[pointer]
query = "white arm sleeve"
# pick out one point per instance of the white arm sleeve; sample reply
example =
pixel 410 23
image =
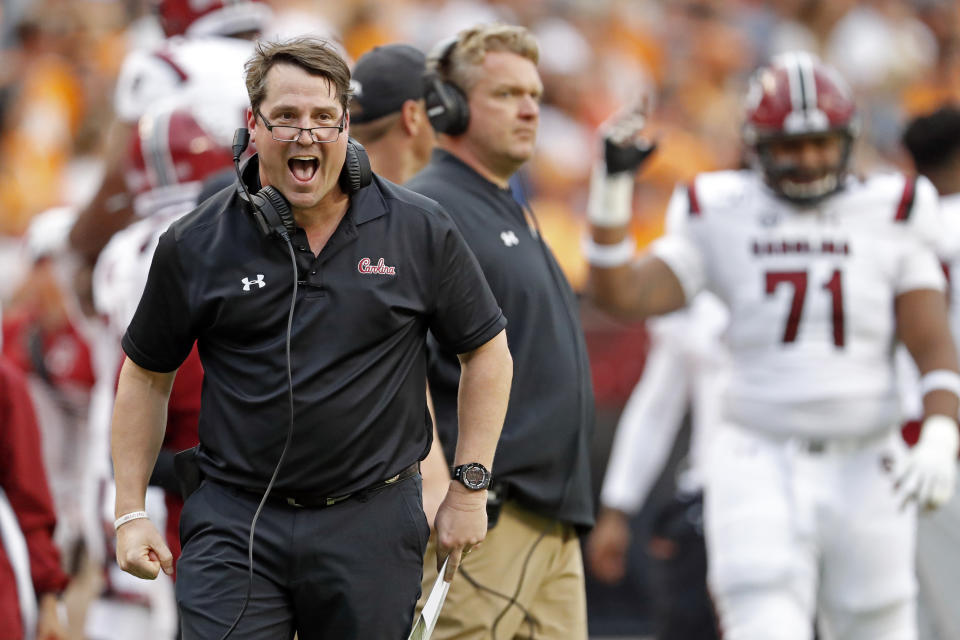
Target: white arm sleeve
pixel 919 265
pixel 649 423
pixel 143 80
pixel 678 249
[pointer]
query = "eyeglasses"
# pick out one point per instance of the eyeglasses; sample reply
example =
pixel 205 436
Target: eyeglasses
pixel 286 133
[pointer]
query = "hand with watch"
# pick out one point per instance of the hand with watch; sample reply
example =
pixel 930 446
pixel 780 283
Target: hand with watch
pixel 461 522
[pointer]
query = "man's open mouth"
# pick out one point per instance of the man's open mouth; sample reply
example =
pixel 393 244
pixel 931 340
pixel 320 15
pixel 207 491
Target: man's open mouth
pixel 303 168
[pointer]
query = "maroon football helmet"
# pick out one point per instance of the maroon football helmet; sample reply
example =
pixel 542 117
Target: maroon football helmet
pixel 212 17
pixel 798 96
pixel 170 156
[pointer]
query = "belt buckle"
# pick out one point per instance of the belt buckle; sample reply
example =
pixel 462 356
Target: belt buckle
pixel 293 503
pixel 392 480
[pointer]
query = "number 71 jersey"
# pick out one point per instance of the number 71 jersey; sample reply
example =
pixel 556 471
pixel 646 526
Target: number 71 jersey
pixel 810 290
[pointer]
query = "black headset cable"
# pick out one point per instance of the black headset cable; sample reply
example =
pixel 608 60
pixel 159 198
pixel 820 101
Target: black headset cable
pixel 286 445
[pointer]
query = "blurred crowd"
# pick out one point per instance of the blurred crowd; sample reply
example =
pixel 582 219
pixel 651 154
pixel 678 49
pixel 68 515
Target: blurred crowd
pixel 688 58
pixel 684 61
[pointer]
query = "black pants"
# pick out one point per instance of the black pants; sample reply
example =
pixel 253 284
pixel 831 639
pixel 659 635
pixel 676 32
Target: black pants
pixel 682 606
pixel 349 571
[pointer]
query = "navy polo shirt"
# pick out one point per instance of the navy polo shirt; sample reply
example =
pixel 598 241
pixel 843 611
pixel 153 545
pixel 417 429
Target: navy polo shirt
pixel 543 455
pixel 395 267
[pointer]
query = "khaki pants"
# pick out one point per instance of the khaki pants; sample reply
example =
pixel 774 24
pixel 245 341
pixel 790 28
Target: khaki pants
pixel 548 583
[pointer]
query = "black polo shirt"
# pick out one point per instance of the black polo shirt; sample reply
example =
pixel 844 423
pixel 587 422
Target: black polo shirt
pixel 544 450
pixel 395 267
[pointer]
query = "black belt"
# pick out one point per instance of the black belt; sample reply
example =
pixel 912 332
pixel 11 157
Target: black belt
pixel 306 501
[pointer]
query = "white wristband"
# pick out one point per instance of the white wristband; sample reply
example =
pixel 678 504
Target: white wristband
pixel 940 380
pixel 124 519
pixel 610 202
pixel 609 255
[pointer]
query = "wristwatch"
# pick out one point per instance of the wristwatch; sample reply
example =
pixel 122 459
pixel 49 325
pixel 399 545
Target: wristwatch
pixel 473 475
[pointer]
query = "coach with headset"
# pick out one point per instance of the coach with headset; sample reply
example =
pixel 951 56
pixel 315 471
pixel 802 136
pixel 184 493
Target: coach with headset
pixel 309 287
pixel 482 92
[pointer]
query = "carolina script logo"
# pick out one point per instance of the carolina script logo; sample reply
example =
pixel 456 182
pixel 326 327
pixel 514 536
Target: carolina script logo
pixel 366 266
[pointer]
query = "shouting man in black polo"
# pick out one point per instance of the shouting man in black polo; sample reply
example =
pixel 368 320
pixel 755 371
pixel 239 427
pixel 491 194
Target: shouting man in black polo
pixel 312 336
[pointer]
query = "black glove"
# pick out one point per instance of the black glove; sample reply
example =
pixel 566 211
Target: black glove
pixel 624 149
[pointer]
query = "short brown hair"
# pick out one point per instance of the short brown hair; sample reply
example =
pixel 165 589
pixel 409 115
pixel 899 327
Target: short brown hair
pixel 313 55
pixel 473 44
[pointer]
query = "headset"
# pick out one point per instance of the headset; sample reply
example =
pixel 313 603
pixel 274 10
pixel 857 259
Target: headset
pixel 273 216
pixel 269 208
pixel 447 106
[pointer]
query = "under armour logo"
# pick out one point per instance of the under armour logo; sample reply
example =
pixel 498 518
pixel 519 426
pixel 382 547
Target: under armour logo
pixel 509 238
pixel 259 281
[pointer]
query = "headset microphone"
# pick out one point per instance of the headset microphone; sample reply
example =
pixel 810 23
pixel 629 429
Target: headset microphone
pixel 241 138
pixel 269 208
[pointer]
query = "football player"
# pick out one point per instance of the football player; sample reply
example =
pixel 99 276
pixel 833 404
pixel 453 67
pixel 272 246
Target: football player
pixel 810 494
pixel 201 59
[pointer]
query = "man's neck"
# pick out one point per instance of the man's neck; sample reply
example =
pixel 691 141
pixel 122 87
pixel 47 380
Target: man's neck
pixel 321 221
pixel 392 159
pixel 466 154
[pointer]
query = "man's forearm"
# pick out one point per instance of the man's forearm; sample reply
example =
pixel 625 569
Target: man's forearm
pixel 139 419
pixel 485 378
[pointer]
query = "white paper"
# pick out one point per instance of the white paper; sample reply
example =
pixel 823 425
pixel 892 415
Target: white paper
pixel 423 629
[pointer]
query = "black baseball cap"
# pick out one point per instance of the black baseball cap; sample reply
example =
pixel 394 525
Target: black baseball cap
pixel 383 79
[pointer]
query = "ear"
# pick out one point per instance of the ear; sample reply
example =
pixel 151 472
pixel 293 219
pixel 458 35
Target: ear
pixel 412 117
pixel 251 124
pixel 346 122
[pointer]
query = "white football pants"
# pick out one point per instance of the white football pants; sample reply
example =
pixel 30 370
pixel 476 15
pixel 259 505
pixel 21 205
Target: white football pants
pixel 803 530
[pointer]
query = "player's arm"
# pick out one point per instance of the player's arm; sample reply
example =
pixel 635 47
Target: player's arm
pixel 111 208
pixel 929 472
pixel 923 327
pixel 139 418
pixel 485 377
pixel 619 284
pixel 636 289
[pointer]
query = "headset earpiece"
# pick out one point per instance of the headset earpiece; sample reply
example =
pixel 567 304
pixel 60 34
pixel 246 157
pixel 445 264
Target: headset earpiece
pixel 268 206
pixel 356 172
pixel 447 106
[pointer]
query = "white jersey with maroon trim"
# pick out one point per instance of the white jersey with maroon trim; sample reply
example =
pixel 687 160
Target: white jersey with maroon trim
pixel 120 274
pixel 192 69
pixel 810 291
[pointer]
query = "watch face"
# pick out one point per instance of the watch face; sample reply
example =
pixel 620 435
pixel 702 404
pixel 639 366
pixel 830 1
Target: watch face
pixel 474 476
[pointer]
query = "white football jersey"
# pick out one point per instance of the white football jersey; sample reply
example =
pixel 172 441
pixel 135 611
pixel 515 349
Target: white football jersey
pixel 810 292
pixel 192 69
pixel 120 274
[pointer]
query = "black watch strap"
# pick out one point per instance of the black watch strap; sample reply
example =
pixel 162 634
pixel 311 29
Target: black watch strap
pixel 472 475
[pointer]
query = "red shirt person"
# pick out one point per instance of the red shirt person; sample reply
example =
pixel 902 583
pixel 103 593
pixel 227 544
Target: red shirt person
pixel 24 484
